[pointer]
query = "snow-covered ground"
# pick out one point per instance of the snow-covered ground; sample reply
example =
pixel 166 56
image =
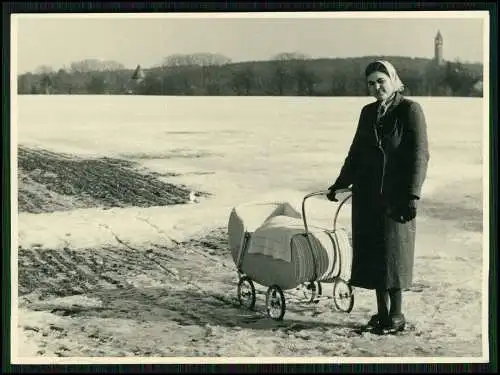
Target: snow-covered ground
pixel 253 149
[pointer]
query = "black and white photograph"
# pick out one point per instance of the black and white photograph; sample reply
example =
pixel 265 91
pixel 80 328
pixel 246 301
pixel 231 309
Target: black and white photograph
pixel 304 187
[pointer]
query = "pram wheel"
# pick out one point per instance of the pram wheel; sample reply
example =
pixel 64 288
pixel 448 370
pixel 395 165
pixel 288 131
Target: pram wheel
pixel 311 290
pixel 343 296
pixel 246 292
pixel 275 302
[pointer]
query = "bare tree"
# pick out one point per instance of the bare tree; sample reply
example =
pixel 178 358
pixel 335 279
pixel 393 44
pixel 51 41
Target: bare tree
pixel 95 65
pixel 199 59
pixel 46 84
pixel 287 56
pixel 291 74
pixel 284 76
pixel 44 69
pixel 204 60
pixel 306 80
pixel 46 72
pixel 243 81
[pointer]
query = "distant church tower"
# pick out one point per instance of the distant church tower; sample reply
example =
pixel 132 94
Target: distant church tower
pixel 438 48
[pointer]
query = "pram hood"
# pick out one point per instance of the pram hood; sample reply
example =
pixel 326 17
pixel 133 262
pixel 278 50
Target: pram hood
pixel 254 214
pixel 272 226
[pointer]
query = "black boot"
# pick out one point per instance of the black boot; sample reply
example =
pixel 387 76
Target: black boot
pixel 380 319
pixel 396 321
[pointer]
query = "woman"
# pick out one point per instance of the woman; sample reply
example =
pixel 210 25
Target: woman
pixel 386 166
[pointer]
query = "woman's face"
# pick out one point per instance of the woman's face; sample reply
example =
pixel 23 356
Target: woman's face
pixel 380 85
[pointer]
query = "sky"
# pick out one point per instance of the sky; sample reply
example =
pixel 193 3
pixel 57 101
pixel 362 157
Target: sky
pixel 58 40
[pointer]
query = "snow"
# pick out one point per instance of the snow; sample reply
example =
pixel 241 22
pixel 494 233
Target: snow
pixel 250 149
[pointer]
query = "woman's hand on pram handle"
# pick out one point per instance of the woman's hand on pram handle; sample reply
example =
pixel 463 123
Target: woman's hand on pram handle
pixel 334 190
pixel 331 195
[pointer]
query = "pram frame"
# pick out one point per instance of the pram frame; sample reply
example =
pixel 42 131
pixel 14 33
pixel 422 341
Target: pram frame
pixel 275 299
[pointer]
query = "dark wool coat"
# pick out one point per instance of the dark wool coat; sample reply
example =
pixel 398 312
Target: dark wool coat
pixel 386 169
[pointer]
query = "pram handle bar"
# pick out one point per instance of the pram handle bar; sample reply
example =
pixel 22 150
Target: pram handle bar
pixel 324 192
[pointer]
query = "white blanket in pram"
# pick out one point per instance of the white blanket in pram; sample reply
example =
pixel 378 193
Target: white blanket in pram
pixel 272 226
pixel 274 237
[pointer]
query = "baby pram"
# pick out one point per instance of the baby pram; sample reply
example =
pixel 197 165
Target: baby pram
pixel 273 245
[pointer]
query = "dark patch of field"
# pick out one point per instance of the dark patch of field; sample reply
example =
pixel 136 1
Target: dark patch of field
pixel 51 181
pixel 64 272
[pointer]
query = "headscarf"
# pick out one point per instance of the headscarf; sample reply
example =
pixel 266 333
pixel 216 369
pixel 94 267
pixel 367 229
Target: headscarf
pixel 387 68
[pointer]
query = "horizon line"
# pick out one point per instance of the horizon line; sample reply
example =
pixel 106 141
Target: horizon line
pixel 307 58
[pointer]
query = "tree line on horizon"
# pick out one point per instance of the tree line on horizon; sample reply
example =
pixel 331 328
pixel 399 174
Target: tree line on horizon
pixel 286 74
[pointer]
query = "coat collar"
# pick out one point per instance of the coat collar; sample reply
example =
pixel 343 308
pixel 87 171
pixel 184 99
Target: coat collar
pixel 398 97
pixel 395 103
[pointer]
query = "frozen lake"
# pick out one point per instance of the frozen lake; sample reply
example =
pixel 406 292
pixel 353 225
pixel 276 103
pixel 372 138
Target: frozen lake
pixel 250 143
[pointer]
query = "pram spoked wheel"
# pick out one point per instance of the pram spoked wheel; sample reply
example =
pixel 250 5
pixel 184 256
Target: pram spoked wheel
pixel 275 302
pixel 343 296
pixel 246 292
pixel 311 290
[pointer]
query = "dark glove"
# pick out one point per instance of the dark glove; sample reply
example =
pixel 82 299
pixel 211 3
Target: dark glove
pixel 405 212
pixel 331 196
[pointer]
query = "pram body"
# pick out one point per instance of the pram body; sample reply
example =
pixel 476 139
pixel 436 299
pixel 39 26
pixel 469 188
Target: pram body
pixel 273 245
